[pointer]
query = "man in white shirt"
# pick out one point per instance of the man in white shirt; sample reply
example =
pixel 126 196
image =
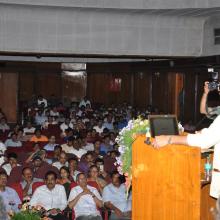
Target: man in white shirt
pixel 76 150
pixel 41 100
pixel 68 146
pixel 52 197
pixel 12 162
pixel 3 125
pixel 28 180
pixel 65 125
pixel 84 102
pixel 114 198
pixel 99 127
pixel 62 161
pixel 206 138
pixel 29 128
pixel 13 141
pixel 85 199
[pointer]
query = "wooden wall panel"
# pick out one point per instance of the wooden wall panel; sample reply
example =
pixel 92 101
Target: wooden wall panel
pixel 175 85
pixel 142 89
pixel 8 95
pixel 160 91
pixel 26 86
pixel 98 88
pixel 48 83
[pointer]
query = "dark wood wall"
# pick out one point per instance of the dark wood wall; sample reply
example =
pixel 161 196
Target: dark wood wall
pixel 140 86
pixel 8 94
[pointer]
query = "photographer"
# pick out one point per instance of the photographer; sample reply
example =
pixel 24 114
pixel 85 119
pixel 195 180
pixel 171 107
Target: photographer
pixel 210 112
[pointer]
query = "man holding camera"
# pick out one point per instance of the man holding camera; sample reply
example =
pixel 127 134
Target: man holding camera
pixel 210 112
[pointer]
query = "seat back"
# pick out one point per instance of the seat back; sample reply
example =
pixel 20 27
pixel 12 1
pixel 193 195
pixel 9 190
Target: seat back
pixel 36 185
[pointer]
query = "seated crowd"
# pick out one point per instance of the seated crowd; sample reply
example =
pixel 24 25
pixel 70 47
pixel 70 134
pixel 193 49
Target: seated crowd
pixel 64 159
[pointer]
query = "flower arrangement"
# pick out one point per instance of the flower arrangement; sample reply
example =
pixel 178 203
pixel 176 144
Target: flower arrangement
pixel 26 215
pixel 30 213
pixel 125 140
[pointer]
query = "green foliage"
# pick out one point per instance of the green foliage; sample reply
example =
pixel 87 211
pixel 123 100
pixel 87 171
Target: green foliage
pixel 125 140
pixel 26 215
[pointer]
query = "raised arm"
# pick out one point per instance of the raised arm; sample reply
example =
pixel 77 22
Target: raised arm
pixel 204 99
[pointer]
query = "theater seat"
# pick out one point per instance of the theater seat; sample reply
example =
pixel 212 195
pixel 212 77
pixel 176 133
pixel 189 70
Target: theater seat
pixel 36 185
pixel 15 175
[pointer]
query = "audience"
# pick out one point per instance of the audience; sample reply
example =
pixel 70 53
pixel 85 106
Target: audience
pixel 51 196
pixel 29 129
pixel 10 197
pixel 65 179
pixel 85 164
pixel 38 137
pixel 40 118
pixel 94 177
pixel 73 167
pixel 114 198
pixel 12 163
pixel 41 100
pixel 62 142
pixel 13 141
pixel 3 125
pixel 51 144
pixel 106 147
pixel 27 181
pixel 62 161
pixel 85 199
pixel 66 124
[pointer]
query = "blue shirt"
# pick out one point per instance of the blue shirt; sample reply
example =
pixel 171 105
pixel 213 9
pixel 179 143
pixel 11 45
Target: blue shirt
pixel 117 196
pixel 108 125
pixel 11 143
pixel 10 199
pixel 104 149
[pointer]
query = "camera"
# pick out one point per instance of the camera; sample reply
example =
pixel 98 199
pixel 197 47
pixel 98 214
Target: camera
pixel 214 84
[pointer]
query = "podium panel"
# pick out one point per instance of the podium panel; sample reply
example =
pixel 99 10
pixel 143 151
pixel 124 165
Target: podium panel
pixel 165 182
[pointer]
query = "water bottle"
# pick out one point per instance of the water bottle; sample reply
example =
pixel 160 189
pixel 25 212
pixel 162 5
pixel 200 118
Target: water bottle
pixel 208 169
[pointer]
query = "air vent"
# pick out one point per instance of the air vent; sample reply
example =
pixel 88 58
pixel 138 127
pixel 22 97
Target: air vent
pixel 217 35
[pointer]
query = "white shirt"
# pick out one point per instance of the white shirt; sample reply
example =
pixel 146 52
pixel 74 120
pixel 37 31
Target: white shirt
pixel 207 138
pixel 88 147
pixel 2 148
pixel 66 148
pixel 50 199
pixel 76 172
pixel 7 167
pixel 64 126
pixel 29 130
pixel 78 153
pixel 39 102
pixel 98 129
pixel 86 204
pixel 117 196
pixel 58 165
pixel 4 127
pixel 84 103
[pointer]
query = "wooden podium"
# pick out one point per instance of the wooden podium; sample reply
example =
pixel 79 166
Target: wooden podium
pixel 166 183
